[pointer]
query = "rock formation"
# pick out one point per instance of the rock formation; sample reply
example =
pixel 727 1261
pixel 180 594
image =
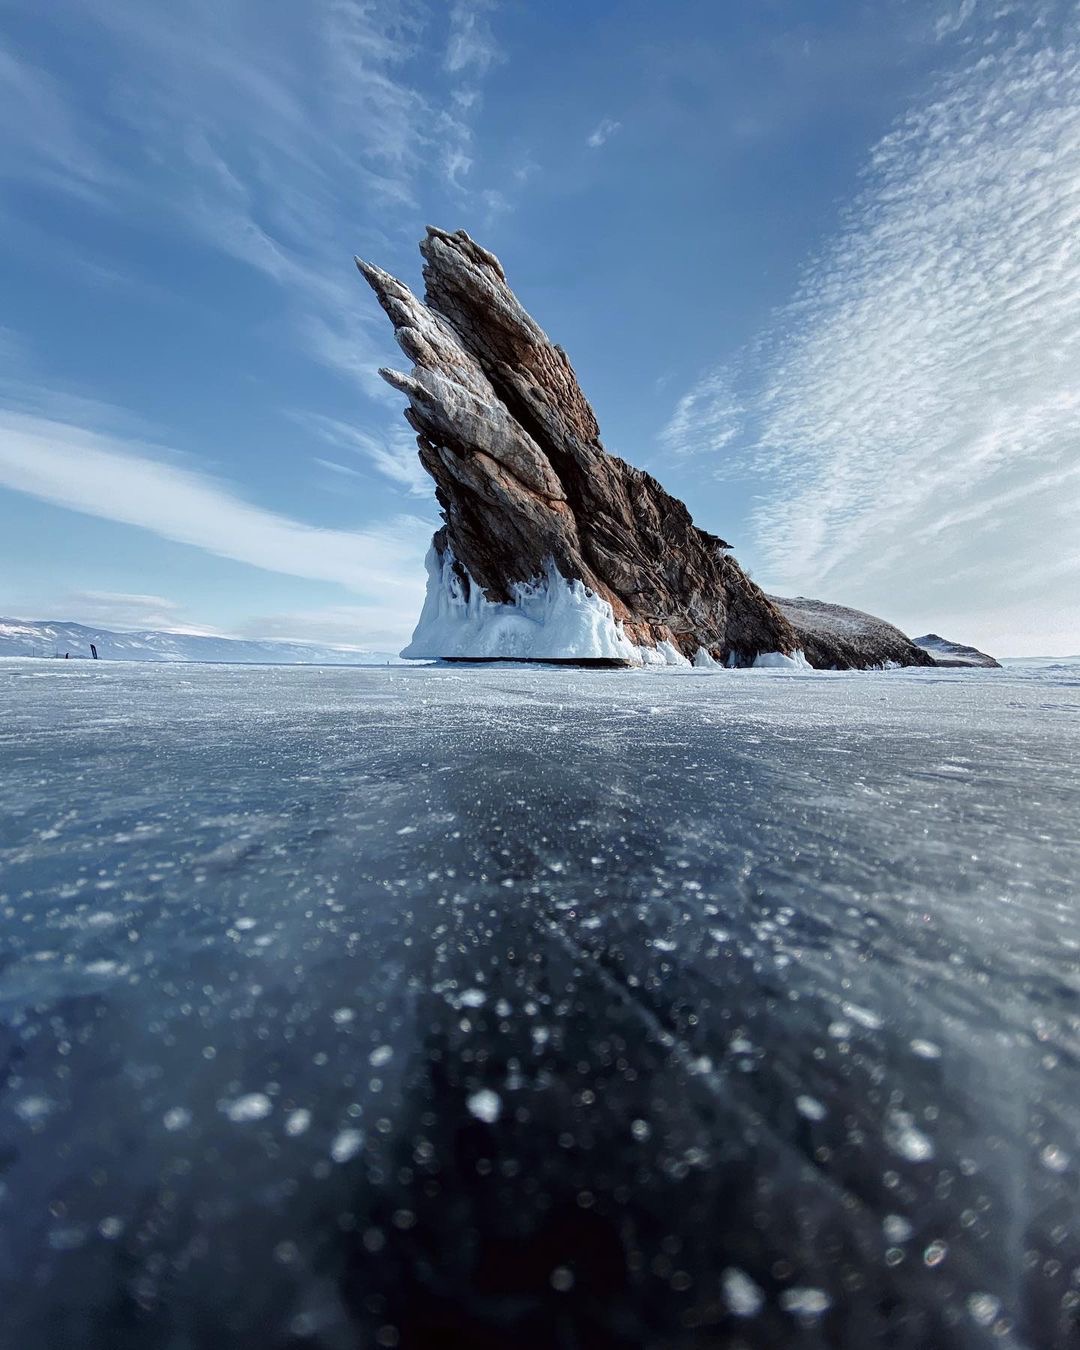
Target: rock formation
pixel 946 653
pixel 546 532
pixel 832 636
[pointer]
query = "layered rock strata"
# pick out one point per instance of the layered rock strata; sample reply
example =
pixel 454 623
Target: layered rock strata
pixel 531 499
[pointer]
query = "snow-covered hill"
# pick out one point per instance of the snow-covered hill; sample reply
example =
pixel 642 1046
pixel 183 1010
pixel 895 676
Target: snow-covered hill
pixel 44 637
pixel 946 653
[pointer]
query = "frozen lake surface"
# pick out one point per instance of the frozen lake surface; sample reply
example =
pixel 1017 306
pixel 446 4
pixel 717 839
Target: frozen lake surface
pixel 522 1007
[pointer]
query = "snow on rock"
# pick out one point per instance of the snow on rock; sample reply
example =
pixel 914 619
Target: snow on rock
pixel 842 638
pixel 549 619
pixel 555 619
pixel 524 481
pixel 946 653
pixel 671 654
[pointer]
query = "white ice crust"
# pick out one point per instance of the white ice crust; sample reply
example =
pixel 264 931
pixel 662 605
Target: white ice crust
pixel 550 618
pixel 778 661
pixel 546 619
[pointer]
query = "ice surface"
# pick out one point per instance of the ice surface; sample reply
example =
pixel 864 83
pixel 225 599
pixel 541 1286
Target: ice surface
pixel 538 1007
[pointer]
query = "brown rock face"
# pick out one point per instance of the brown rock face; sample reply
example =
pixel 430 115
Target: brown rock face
pixel 832 636
pixel 524 481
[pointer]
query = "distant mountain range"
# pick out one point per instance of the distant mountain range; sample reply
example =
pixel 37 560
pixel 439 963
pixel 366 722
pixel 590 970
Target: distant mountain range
pixel 46 638
pixel 50 638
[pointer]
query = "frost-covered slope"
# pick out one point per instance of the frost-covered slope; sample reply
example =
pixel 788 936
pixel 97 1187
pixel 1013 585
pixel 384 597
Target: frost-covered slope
pixel 46 637
pixel 946 653
pixel 833 635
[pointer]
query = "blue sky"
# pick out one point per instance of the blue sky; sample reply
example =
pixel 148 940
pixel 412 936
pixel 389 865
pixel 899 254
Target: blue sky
pixel 818 269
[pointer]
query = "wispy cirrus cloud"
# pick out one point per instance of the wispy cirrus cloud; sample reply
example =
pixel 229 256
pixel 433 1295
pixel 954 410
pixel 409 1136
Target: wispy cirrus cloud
pixel 471 45
pixel 470 51
pixel 393 453
pixel 119 609
pixel 267 143
pixel 133 483
pixel 377 628
pixel 602 133
pixel 706 419
pixel 261 140
pixel 953 18
pixel 918 402
pixel 45 140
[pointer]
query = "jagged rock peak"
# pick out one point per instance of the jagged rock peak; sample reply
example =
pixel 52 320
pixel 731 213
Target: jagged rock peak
pixel 532 500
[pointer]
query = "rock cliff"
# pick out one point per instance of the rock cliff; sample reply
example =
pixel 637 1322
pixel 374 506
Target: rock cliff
pixel 545 530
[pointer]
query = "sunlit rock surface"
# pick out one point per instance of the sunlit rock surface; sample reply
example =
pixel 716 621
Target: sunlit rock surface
pixel 531 497
pixel 838 638
pixel 538 1008
pixel 946 653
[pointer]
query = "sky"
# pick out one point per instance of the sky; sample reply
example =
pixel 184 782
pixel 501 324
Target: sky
pixel 817 268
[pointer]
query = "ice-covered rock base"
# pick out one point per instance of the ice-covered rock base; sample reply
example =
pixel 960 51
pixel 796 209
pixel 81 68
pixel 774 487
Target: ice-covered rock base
pixel 549 619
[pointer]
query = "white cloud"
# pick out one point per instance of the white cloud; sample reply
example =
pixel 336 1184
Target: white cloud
pixel 470 50
pixel 22 392
pixel 130 483
pixel 705 419
pixel 364 627
pixel 43 139
pixel 262 139
pixel 954 18
pixel 393 453
pixel 496 204
pixel 456 164
pixel 118 609
pixel 334 467
pixel 603 132
pixel 471 45
pixel 918 421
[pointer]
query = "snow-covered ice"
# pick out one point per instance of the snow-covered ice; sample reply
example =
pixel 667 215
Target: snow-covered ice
pixel 665 1006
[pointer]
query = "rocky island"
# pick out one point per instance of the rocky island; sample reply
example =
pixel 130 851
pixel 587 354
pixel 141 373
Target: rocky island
pixel 553 549
pixel 947 653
